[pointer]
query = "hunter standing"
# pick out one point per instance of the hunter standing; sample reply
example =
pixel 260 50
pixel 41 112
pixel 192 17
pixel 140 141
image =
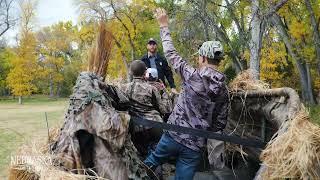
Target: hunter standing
pixel 202 104
pixel 153 60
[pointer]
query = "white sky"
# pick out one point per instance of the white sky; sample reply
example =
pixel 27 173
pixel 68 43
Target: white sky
pixel 48 12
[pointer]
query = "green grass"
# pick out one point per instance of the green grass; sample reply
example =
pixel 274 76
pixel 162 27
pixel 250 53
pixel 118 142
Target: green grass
pixel 19 123
pixel 315 113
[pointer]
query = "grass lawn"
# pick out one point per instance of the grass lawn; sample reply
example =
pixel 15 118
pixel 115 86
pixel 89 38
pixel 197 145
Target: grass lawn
pixel 19 123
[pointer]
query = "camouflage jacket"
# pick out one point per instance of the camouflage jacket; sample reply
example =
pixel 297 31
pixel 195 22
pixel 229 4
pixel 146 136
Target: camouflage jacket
pixel 203 102
pixel 165 96
pixel 145 100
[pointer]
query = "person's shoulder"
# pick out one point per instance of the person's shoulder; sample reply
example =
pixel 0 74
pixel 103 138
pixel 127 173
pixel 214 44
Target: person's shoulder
pixel 144 57
pixel 160 56
pixel 127 85
pixel 146 88
pixel 144 85
pixel 151 86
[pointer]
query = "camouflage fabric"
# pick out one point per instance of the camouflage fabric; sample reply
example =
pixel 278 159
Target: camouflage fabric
pixel 203 102
pixel 216 153
pixel 165 96
pixel 208 49
pixel 146 101
pixel 95 133
pixel 159 85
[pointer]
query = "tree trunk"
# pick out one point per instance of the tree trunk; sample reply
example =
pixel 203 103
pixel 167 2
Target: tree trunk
pixel 124 59
pixel 58 90
pixel 20 99
pixel 233 54
pixel 239 24
pixel 310 96
pixel 51 87
pixel 316 33
pixel 303 69
pixel 256 39
pixel 206 30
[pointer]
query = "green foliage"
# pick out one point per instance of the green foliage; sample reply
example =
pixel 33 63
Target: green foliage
pixel 70 74
pixel 5 56
pixel 315 113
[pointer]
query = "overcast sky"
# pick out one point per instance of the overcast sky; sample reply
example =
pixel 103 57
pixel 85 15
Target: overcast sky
pixel 48 12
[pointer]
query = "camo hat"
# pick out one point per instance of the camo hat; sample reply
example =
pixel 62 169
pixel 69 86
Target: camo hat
pixel 209 49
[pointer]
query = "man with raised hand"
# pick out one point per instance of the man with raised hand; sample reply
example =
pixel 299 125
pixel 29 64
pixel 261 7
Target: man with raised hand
pixel 202 104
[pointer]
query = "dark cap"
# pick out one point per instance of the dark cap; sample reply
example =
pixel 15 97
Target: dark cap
pixel 151 40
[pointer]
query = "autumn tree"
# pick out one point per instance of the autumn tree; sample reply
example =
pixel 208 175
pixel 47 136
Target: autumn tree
pixel 313 9
pixel 22 76
pixel 56 50
pixel 274 63
pixel 128 21
pixel 293 29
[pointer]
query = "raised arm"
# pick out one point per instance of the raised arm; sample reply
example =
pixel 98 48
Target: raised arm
pixel 171 54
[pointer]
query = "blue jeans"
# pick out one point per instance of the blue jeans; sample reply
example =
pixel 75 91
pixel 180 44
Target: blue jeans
pixel 187 159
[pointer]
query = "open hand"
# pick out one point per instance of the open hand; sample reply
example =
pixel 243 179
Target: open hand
pixel 162 17
pixel 174 91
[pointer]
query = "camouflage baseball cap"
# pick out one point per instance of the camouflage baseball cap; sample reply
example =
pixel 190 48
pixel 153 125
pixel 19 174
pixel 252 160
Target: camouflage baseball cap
pixel 209 49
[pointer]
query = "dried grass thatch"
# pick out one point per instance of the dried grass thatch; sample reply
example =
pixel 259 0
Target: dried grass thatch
pixel 294 153
pixel 37 163
pixel 245 81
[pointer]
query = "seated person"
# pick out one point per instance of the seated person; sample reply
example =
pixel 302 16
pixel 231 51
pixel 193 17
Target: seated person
pixel 145 102
pixel 152 78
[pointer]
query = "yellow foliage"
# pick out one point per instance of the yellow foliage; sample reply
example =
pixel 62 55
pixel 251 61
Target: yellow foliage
pixel 273 59
pixel 117 68
pixel 317 84
pixel 308 53
pixel 130 30
pixel 21 76
pixel 299 30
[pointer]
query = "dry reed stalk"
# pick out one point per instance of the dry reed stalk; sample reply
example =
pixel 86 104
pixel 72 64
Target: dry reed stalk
pixel 294 153
pixel 100 52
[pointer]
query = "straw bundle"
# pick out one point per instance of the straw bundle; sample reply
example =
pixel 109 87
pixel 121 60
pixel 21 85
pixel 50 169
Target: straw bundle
pixel 38 163
pixel 294 153
pixel 245 81
pixel 100 52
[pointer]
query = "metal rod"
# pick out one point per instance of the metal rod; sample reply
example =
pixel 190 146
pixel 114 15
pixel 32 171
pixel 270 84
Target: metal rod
pixel 45 113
